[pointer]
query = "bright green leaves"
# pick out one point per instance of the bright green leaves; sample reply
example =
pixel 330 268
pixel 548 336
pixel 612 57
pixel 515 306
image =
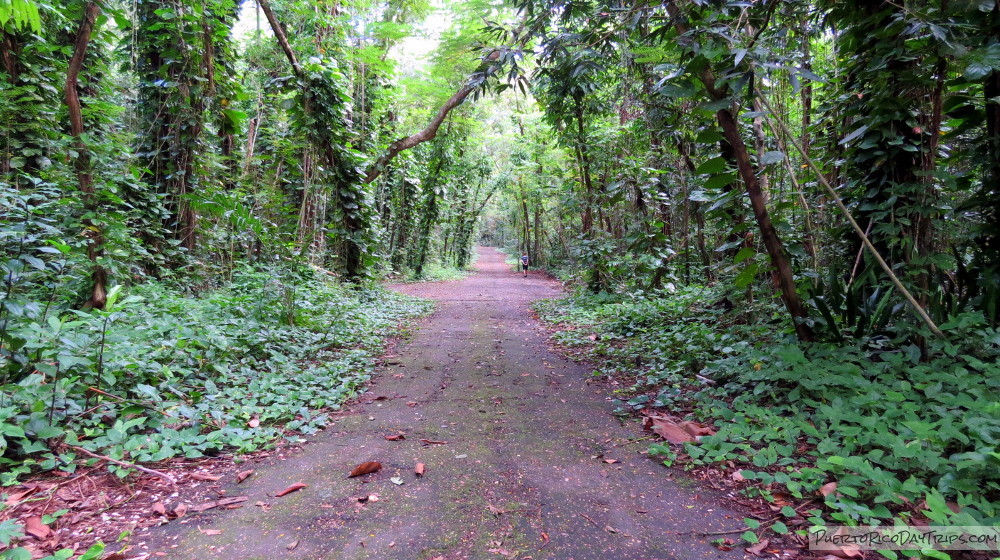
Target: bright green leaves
pixel 20 14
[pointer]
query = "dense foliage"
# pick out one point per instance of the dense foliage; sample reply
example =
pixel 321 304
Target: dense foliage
pixel 782 216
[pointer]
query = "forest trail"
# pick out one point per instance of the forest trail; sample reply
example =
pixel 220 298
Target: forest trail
pixel 517 478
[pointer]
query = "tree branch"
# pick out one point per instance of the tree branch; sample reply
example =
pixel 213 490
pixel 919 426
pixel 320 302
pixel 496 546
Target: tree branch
pixel 125 464
pixel 279 33
pixel 424 135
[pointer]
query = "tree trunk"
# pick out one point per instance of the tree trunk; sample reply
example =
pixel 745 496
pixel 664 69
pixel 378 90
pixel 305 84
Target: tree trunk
pixel 775 249
pixel 95 238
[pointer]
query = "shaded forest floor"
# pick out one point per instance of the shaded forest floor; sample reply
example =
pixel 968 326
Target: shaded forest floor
pixel 521 457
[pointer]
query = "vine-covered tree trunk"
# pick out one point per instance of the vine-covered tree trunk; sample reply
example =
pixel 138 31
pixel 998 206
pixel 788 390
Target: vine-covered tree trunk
pixel 95 236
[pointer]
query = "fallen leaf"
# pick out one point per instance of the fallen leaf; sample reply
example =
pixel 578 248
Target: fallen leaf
pixel 232 500
pixel 758 549
pixel 723 544
pixel 419 469
pixel 495 510
pixel 828 488
pixel 365 468
pixel 696 429
pixel 545 539
pixel 432 442
pixel 738 476
pixel 293 488
pixel 13 499
pixel 611 461
pixel 179 510
pixel 397 481
pixel 243 475
pixel 205 476
pixel 670 431
pixel 204 507
pixel 292 545
pixel 210 531
pixel 610 529
pixel 159 508
pixel 254 422
pixel 411 403
pixel 848 551
pixel 34 526
pixel 395 437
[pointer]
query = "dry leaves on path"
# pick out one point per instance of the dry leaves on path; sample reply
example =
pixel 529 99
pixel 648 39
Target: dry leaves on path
pixel 205 476
pixel 34 526
pixel 243 475
pixel 758 549
pixel 675 432
pixel 419 469
pixel 365 468
pixel 293 488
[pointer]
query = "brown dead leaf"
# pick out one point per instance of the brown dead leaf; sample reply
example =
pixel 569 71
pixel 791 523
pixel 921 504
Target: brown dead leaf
pixel 243 475
pixel 738 476
pixel 610 461
pixel 254 422
pixel 293 488
pixel 292 545
pixel 781 499
pixel 395 437
pixel 365 468
pixel 758 549
pixel 34 527
pixel 204 507
pixel 848 551
pixel 828 488
pixel 696 429
pixel 670 431
pixel 159 508
pixel 205 476
pixel 179 510
pixel 419 469
pixel 545 539
pixel 232 501
pixel 723 544
pixel 13 499
pixel 432 442
pixel 495 510
pixel 210 531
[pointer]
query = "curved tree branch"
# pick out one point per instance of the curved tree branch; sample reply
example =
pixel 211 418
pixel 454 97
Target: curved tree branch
pixel 424 135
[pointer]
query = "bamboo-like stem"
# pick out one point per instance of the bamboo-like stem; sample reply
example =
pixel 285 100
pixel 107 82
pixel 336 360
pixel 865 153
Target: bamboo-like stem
pixel 920 311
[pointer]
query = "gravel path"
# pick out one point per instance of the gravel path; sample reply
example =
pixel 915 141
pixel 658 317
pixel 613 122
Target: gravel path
pixel 525 472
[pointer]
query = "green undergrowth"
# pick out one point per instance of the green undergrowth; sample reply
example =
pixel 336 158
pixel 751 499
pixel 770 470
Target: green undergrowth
pixel 434 272
pixel 908 434
pixel 159 375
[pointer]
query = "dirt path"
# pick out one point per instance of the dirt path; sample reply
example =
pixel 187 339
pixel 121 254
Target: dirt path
pixel 517 478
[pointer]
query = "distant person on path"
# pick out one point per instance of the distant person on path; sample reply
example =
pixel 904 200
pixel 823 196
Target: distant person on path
pixel 524 263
